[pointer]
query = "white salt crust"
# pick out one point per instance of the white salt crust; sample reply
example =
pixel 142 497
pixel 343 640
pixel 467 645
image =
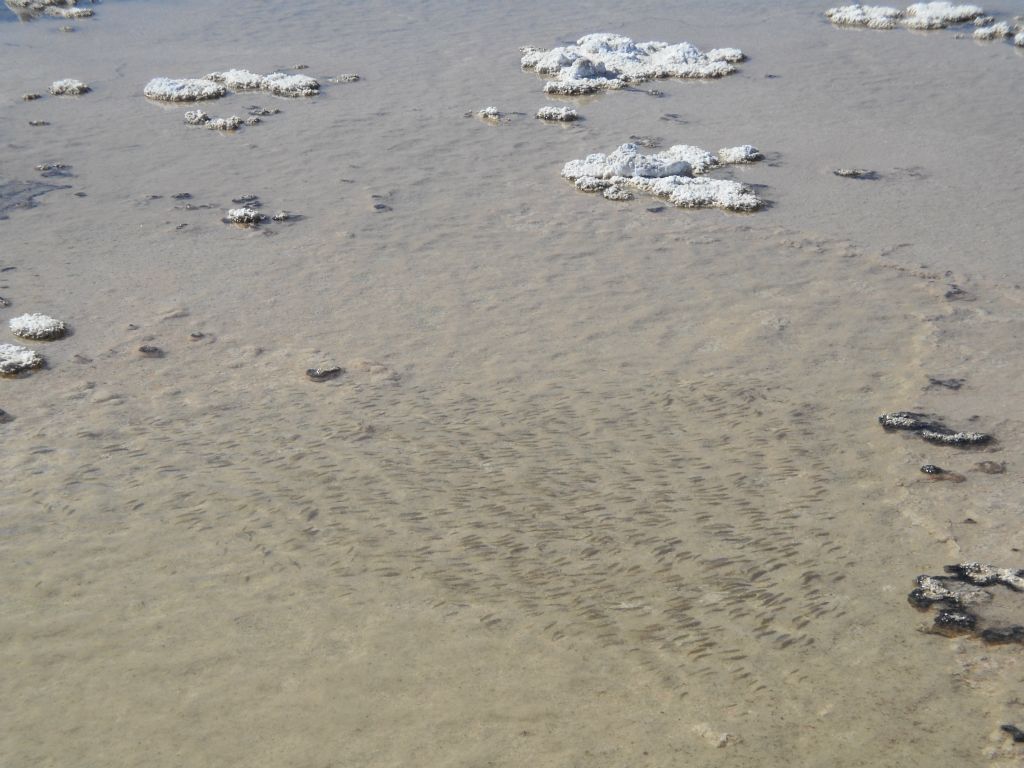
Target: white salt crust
pixel 245 216
pixel 872 16
pixel 489 113
pixel 742 154
pixel 667 174
pixel 64 9
pixel 15 359
pixel 939 15
pixel 994 32
pixel 225 123
pixel 560 114
pixel 68 87
pixel 196 117
pixel 936 15
pixel 608 62
pixel 278 83
pixel 187 89
pixel 38 327
pixel 1019 40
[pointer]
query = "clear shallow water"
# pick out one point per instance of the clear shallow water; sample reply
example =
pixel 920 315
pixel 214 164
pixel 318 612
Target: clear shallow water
pixel 616 488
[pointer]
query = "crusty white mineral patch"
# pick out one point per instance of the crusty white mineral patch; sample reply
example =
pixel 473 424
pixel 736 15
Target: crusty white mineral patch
pixel 38 327
pixel 742 154
pixel 64 9
pixel 939 15
pixel 196 117
pixel 278 83
pixel 873 16
pixel 1019 39
pixel 188 89
pixel 607 62
pixel 667 174
pixel 245 216
pixel 560 114
pixel 993 32
pixel 225 123
pixel 68 87
pixel 489 113
pixel 15 359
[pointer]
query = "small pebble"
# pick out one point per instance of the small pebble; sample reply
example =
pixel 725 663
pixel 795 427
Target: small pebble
pixel 31 96
pixel 197 335
pixel 149 351
pixel 37 123
pixel 942 474
pixel 1016 733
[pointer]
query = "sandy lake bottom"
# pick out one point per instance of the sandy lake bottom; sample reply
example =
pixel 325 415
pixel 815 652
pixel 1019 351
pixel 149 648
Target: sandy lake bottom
pixel 601 483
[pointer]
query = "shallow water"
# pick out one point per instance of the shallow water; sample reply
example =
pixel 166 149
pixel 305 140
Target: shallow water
pixel 615 488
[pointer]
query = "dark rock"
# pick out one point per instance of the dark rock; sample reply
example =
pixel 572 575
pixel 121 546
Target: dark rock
pixel 1003 635
pixel 930 430
pixel 150 351
pixel 855 173
pixel 197 335
pixel 253 201
pixel 1014 731
pixel 956 293
pixel 324 374
pixel 938 473
pixel 931 469
pixel 955 621
pixel 987 575
pixel 954 384
pixel 182 196
pixel 5 416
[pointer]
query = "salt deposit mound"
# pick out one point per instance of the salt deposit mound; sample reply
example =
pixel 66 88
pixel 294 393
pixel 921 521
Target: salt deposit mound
pixel 937 15
pixel 68 87
pixel 607 62
pixel 668 175
pixel 15 359
pixel 278 83
pixel 188 89
pixel 62 9
pixel 38 327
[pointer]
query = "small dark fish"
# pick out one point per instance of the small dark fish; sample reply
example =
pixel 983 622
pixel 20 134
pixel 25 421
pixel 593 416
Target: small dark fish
pixel 149 351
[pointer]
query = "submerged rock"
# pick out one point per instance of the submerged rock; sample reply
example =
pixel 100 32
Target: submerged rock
pixel 930 430
pixel 607 62
pixel 962 600
pixel 225 123
pixel 147 350
pixel 15 359
pixel 68 87
pixel 188 89
pixel 196 117
pixel 668 174
pixel 489 113
pixel 324 374
pixel 38 327
pixel 939 473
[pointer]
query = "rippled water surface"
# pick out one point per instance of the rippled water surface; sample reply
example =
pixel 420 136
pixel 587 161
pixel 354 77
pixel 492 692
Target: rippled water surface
pixel 601 483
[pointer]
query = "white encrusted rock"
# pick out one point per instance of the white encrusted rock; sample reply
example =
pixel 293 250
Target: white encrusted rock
pixel 67 13
pixel 225 123
pixel 68 87
pixel 617 193
pixel 993 32
pixel 38 327
pixel 196 117
pixel 742 154
pixel 239 79
pixel 1018 40
pixel 281 84
pixel 608 62
pixel 667 174
pixel 872 16
pixel 560 114
pixel 15 359
pixel 187 89
pixel 245 216
pixel 939 15
pixel 489 113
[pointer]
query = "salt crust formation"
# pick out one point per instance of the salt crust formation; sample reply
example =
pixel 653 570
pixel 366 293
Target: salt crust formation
pixel 64 9
pixel 1019 39
pixel 15 359
pixel 277 83
pixel 607 62
pixel 742 154
pixel 225 123
pixel 560 114
pixel 68 87
pixel 188 89
pixel 245 216
pixel 668 175
pixel 917 16
pixel 873 16
pixel 993 32
pixel 489 113
pixel 38 327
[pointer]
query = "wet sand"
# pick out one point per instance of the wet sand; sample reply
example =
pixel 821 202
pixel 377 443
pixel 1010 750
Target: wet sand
pixel 614 487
